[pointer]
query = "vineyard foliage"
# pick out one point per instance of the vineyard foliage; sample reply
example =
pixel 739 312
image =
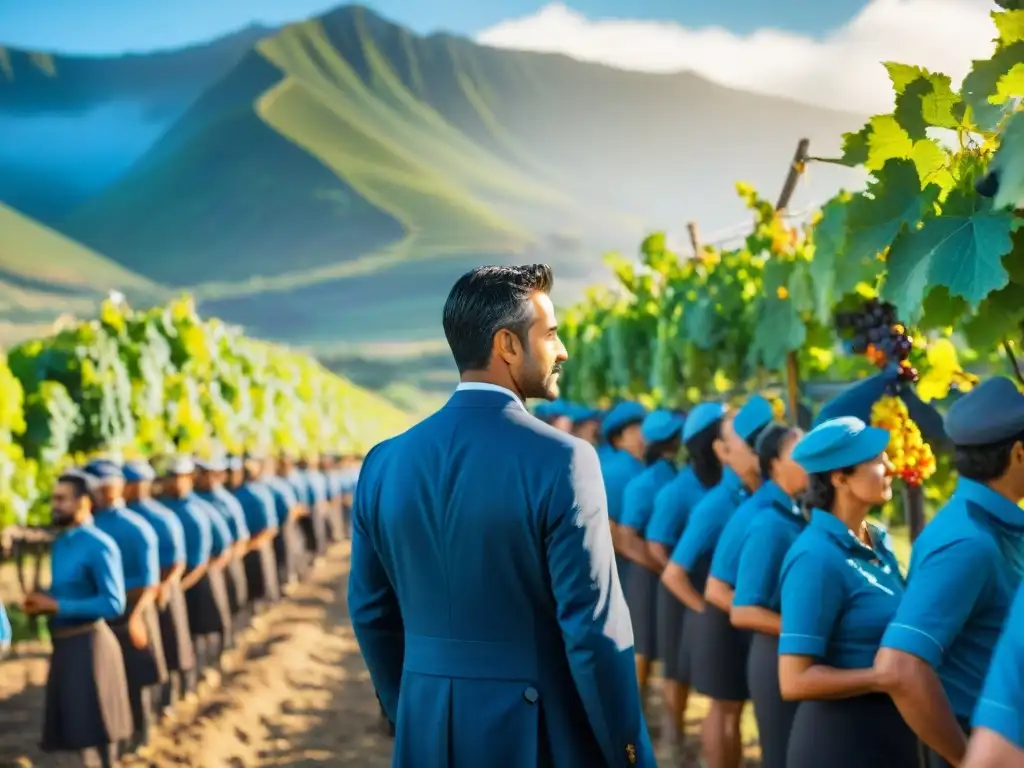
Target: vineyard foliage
pixel 142 383
pixel 673 330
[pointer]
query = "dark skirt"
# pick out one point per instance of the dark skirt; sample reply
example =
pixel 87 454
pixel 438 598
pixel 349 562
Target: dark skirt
pixel 622 566
pixel 774 716
pixel 143 666
pixel 207 599
pixel 87 704
pixel 261 572
pixel 862 732
pixel 720 657
pixel 237 585
pixel 673 651
pixel 176 633
pixel 642 599
pixel 314 527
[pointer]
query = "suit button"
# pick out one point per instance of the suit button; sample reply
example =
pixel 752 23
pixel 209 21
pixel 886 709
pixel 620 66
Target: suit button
pixel 531 695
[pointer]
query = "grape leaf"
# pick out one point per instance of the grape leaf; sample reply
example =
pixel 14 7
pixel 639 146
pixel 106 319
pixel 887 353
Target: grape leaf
pixel 982 85
pixel 834 272
pixel 887 141
pixel 700 320
pixel 1008 164
pixel 893 201
pixel 942 310
pixel 925 101
pixel 1010 85
pixel 855 147
pixel 778 331
pixel 1011 5
pixel 998 316
pixel 1010 26
pixel 962 249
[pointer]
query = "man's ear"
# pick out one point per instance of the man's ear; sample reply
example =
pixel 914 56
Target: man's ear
pixel 507 346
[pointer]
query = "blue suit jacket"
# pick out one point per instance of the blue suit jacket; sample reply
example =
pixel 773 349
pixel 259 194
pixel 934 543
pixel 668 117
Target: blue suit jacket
pixel 484 595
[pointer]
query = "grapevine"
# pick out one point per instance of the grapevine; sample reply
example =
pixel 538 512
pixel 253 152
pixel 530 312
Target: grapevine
pixel 912 458
pixel 874 331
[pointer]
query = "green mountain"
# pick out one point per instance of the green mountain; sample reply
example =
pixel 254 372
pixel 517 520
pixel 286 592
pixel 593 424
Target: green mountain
pixel 330 185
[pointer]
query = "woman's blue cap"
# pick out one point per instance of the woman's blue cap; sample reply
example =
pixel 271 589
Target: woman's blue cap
pixel 754 414
pixel 580 413
pixel 702 417
pixel 856 400
pixel 104 470
pixel 137 470
pixel 622 415
pixel 838 444
pixel 661 425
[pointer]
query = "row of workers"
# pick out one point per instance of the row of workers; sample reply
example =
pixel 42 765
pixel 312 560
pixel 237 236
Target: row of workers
pixel 754 573
pixel 152 575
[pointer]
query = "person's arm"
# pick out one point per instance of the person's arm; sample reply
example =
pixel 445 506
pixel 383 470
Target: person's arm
pixel 591 609
pixel 998 738
pixel 755 618
pixel 373 606
pixel 719 594
pixel 109 602
pixel 631 543
pixel 692 546
pixel 663 529
pixel 917 638
pixel 812 597
pixel 757 578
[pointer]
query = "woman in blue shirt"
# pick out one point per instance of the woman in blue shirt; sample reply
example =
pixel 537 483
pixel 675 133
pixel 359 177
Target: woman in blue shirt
pixel 87 708
pixel 269 513
pixel 841 586
pixel 672 506
pixel 209 480
pixel 755 597
pixel 620 428
pixel 661 431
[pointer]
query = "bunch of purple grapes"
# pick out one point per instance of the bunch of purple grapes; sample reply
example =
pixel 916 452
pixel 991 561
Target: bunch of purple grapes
pixel 875 332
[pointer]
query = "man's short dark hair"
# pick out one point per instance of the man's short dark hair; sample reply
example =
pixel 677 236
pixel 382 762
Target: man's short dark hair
pixel 984 463
pixel 485 301
pixel 80 484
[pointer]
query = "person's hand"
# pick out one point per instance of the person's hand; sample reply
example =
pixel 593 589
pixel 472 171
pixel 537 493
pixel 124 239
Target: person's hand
pixel 39 604
pixel 137 632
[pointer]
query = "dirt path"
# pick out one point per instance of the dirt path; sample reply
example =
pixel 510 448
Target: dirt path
pixel 294 693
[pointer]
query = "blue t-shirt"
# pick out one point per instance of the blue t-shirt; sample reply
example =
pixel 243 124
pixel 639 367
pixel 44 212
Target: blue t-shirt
pixel 1001 706
pixel 726 560
pixel 696 546
pixel 316 487
pixel 259 506
pixel 764 549
pixel 672 507
pixel 964 571
pixel 86 577
pixel 838 595
pixel 197 527
pixel 617 470
pixel 230 511
pixel 170 535
pixel 638 497
pixel 220 534
pixel 135 537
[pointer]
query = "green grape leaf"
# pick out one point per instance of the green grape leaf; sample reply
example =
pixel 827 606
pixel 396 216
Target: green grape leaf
pixel 887 141
pixel 855 147
pixel 801 287
pixel 941 310
pixel 1010 26
pixel 981 85
pixel 924 100
pixel 932 163
pixel 834 272
pixel 1010 85
pixel 778 331
pixel 962 250
pixel 702 324
pixel 892 202
pixel 998 317
pixel 1008 164
pixel 1011 5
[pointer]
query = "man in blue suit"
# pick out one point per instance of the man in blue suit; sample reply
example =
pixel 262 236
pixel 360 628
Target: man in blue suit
pixel 483 588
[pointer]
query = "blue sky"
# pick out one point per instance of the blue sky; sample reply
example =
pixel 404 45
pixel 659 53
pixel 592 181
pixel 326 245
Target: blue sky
pixel 114 26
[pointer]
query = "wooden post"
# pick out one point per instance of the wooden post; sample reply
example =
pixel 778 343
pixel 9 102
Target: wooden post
pixel 691 227
pixel 796 170
pixel 913 505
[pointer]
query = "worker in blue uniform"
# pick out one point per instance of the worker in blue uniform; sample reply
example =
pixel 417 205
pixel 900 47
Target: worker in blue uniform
pixel 672 506
pixel 87 708
pixel 759 550
pixel 620 429
pixel 841 586
pixel 998 721
pixel 719 649
pixel 483 583
pixel 138 628
pixel 586 423
pixel 266 522
pixel 662 434
pixel 172 613
pixel 290 473
pixel 968 560
pixel 211 474
pixel 315 524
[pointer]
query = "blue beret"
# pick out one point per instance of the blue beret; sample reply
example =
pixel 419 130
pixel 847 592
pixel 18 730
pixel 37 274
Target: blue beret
pixel 754 414
pixel 702 417
pixel 580 413
pixel 839 443
pixel 180 465
pixel 661 425
pixel 856 400
pixel 544 410
pixel 104 470
pixel 990 413
pixel 622 415
pixel 137 470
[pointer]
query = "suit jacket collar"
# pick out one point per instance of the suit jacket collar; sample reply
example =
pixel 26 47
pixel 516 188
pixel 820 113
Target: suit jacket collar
pixel 482 395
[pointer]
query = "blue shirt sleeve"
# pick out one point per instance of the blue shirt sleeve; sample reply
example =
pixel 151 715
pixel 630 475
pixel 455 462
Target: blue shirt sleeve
pixel 1001 706
pixel 198 536
pixel 669 516
pixel 106 569
pixel 636 504
pixel 700 535
pixel 220 534
pixel 146 558
pixel 951 576
pixel 812 598
pixel 760 563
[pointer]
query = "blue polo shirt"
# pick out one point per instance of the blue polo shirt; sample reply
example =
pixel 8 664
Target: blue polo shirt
pixel 135 537
pixel 672 507
pixel 964 571
pixel 764 549
pixel 617 470
pixel 197 528
pixel 86 577
pixel 697 545
pixel 170 535
pixel 726 560
pixel 838 595
pixel 638 498
pixel 1001 706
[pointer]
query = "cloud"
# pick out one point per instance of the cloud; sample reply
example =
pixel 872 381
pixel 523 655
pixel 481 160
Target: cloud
pixel 841 70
